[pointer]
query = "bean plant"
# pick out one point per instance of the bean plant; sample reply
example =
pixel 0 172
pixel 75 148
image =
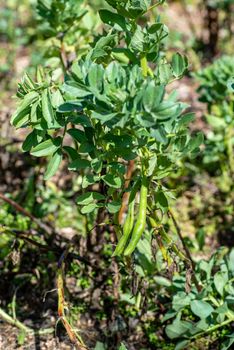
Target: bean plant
pixel 196 314
pixel 113 105
pixel 113 113
pixel 216 90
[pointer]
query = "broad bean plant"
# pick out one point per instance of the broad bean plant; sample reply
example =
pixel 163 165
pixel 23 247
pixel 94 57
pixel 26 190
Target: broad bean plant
pixel 216 90
pixel 112 110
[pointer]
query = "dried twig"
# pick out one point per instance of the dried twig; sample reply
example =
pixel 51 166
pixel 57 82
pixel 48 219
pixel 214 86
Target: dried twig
pixel 62 305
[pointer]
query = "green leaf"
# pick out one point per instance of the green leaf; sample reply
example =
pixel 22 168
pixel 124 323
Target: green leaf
pixel 140 5
pixel 86 147
pixel 216 122
pixel 201 308
pixel 113 207
pixel 202 325
pixel 47 109
pixel 122 347
pixel 105 118
pixel 113 19
pixel 152 165
pixel 103 47
pixel 165 73
pixel 159 134
pixel 112 180
pixel 137 40
pixel 180 301
pixel 96 165
pixel 30 141
pixel 89 197
pixel 53 164
pixel 177 329
pixel 182 345
pixel 170 314
pixel 89 180
pixel 77 135
pixel 99 346
pixel 72 153
pixel 230 84
pixel 200 236
pixel 47 147
pixel 155 28
pixel 186 119
pixel 166 110
pixel 79 164
pixel 70 106
pixel 35 113
pixel 231 261
pixel 179 64
pixel 95 76
pixel 88 208
pixel 76 91
pixel 80 119
pixel 163 281
pixel 228 342
pixel 21 116
pixel 152 97
pixel 220 280
pixel 196 141
pixel 57 99
pixel 161 201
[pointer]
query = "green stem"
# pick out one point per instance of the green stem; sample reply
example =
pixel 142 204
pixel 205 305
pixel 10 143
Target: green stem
pixel 167 239
pixel 138 300
pixel 20 325
pixel 211 329
pixel 144 66
pixel 230 147
pixel 153 6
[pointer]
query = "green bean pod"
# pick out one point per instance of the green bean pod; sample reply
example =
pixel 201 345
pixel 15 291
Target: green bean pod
pixel 141 220
pixel 127 229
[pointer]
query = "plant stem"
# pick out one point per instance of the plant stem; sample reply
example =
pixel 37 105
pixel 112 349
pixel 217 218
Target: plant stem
pixel 56 250
pixel 62 306
pixel 178 230
pixel 213 328
pixel 23 211
pixel 153 6
pixel 160 230
pixel 144 66
pixel 187 252
pixel 20 325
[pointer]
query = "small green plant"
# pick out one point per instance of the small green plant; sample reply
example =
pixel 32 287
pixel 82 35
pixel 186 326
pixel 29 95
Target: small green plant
pixel 198 314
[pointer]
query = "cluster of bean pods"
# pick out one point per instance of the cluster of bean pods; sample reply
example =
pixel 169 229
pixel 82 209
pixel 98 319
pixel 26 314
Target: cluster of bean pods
pixel 132 232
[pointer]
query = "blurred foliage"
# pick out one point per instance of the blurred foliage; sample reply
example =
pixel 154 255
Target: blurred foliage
pixel 216 90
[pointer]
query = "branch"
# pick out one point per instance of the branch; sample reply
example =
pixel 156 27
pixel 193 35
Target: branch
pixel 43 247
pixel 23 211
